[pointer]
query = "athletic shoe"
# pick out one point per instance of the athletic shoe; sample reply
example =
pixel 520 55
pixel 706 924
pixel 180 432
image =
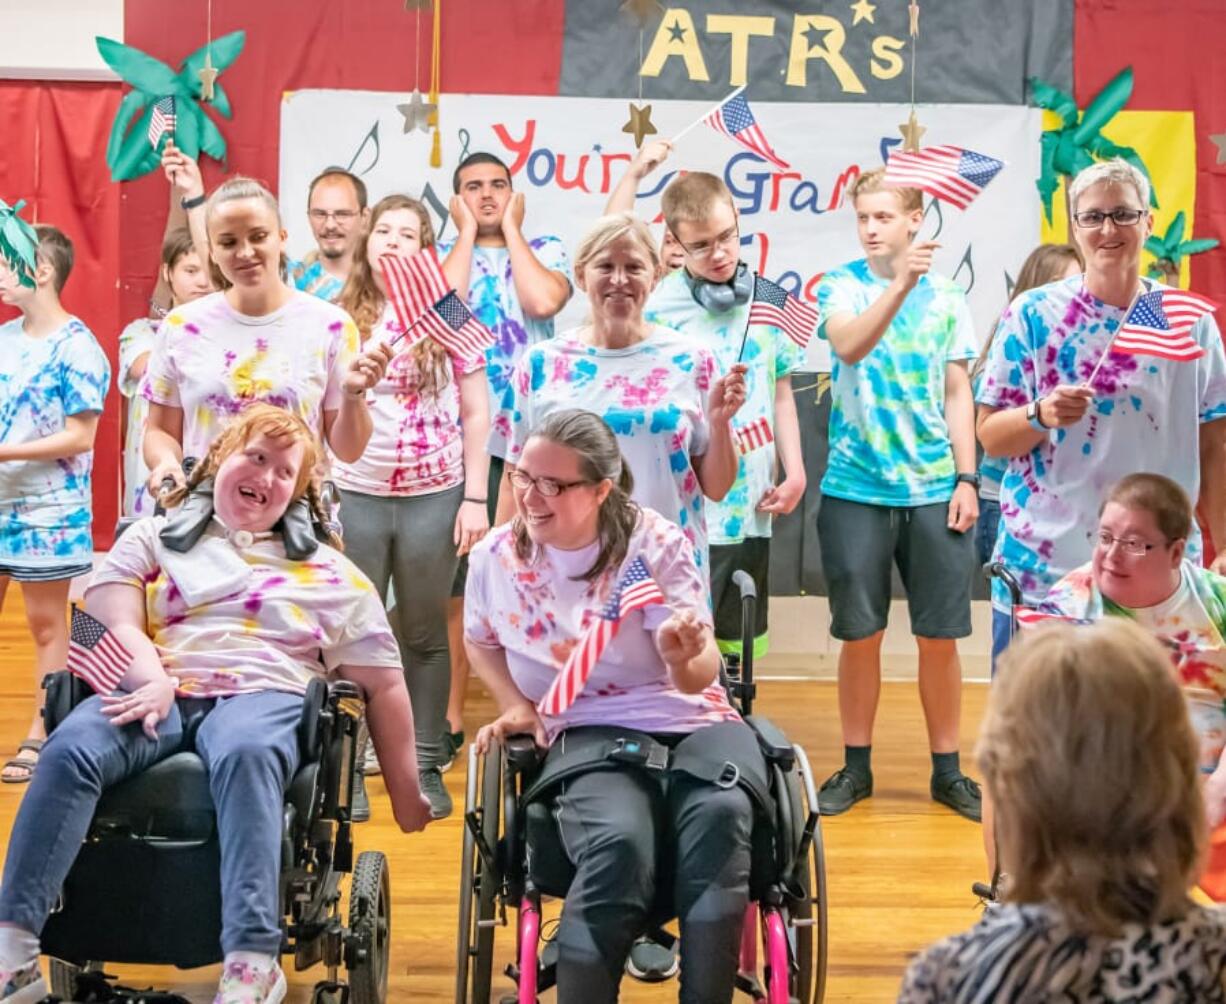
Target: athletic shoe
pixel 842 790
pixel 961 794
pixel 436 793
pixel 370 763
pixel 453 742
pixel 651 962
pixel 22 986
pixel 243 983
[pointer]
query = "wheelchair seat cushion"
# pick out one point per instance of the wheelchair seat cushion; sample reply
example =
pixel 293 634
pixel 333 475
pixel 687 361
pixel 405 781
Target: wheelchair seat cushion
pixel 169 801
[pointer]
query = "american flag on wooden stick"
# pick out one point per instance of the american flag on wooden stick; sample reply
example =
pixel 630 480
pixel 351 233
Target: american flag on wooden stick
pixel 426 306
pixel 945 172
pixel 94 654
pixel 754 436
pixel 637 589
pixel 734 119
pixel 1160 324
pixel 162 122
pixel 774 305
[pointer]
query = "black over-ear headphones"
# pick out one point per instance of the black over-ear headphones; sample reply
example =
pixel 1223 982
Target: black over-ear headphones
pixel 721 297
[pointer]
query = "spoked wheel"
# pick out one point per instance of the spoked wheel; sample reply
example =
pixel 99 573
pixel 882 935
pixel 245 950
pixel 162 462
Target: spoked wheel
pixel 478 881
pixel 370 922
pixel 809 930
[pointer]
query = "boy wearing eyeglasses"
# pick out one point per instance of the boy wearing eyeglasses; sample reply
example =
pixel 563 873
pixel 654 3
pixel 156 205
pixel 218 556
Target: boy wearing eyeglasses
pixel 337 212
pixel 1073 416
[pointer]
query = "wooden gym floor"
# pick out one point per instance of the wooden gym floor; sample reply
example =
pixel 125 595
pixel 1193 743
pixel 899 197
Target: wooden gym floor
pixel 899 867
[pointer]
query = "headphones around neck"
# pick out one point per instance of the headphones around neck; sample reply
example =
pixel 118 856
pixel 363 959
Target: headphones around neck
pixel 721 297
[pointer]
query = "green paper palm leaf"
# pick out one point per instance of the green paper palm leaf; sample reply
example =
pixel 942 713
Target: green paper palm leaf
pixel 1171 248
pixel 18 243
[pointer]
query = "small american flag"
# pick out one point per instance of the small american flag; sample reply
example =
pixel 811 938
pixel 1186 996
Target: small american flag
pixel 946 172
pixel 636 590
pixel 1028 617
pixel 734 119
pixel 774 305
pixel 754 436
pixel 162 122
pixel 1160 324
pixel 94 654
pixel 422 301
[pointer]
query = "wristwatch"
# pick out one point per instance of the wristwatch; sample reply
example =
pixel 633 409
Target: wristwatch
pixel 199 200
pixel 1034 418
pixel 968 479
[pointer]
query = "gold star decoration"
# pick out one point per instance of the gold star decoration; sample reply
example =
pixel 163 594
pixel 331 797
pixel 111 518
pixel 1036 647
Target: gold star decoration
pixel 913 11
pixel 911 132
pixel 208 76
pixel 640 123
pixel 1220 140
pixel 416 112
pixel 643 10
pixel 862 11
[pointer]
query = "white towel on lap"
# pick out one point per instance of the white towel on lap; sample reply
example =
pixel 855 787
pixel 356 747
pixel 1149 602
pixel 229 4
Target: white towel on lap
pixel 210 571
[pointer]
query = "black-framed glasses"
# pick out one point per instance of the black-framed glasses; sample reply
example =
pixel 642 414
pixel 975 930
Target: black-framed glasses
pixel 729 240
pixel 1092 219
pixel 340 215
pixel 1130 545
pixel 549 487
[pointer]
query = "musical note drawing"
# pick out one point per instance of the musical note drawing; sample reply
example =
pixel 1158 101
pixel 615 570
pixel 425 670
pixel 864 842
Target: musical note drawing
pixel 1010 283
pixel 464 138
pixel 367 140
pixel 935 204
pixel 969 264
pixel 429 198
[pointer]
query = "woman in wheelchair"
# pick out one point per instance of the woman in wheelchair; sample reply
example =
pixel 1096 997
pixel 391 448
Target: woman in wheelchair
pixel 223 638
pixel 652 776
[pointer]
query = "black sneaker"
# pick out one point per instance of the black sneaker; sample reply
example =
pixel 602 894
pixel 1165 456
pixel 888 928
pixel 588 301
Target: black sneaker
pixel 453 742
pixel 651 962
pixel 436 793
pixel 842 790
pixel 961 794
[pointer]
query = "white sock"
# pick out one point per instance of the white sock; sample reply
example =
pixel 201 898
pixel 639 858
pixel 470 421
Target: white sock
pixel 18 948
pixel 256 960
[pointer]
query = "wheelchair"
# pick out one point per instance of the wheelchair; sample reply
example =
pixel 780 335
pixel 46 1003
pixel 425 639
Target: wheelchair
pixel 787 885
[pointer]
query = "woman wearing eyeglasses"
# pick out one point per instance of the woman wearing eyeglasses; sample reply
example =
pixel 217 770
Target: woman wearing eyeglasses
pixel 1073 416
pixel 657 389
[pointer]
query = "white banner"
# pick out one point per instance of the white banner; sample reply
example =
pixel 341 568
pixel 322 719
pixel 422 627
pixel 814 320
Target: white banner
pixel 566 154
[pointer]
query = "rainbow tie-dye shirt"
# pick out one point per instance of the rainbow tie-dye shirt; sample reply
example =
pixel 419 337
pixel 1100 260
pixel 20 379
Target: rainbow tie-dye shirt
pixel 212 361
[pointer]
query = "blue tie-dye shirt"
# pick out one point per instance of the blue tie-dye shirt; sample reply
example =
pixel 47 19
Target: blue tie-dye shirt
pixel 889 443
pixel 46 505
pixel 1145 416
pixel 492 298
pixel 310 276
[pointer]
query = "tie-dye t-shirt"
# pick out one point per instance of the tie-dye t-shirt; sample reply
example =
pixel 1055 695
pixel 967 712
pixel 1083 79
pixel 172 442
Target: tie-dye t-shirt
pixel 770 356
pixel 293 621
pixel 536 612
pixel 212 361
pixel 653 395
pixel 1145 416
pixel 416 446
pixel 889 443
pixel 134 341
pixel 310 276
pixel 46 505
pixel 492 298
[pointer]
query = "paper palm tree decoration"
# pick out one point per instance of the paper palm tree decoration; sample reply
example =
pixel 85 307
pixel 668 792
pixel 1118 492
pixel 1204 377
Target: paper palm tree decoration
pixel 1169 249
pixel 1079 141
pixel 128 153
pixel 18 243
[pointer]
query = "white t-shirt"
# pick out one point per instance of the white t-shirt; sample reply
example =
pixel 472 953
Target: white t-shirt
pixel 134 341
pixel 294 620
pixel 212 361
pixel 536 612
pixel 417 445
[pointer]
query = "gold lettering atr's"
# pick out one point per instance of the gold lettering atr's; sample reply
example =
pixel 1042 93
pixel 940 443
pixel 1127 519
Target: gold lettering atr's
pixel 819 37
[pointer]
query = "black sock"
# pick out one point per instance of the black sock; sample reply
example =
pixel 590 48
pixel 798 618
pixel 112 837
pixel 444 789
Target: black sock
pixel 945 767
pixel 858 760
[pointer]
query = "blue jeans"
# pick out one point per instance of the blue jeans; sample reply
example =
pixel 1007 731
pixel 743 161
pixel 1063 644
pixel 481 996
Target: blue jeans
pixel 1002 635
pixel 249 745
pixel 986 528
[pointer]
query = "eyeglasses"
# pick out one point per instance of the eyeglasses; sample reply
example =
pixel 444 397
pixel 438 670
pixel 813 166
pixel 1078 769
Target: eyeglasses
pixel 340 215
pixel 1092 219
pixel 704 249
pixel 549 487
pixel 1131 546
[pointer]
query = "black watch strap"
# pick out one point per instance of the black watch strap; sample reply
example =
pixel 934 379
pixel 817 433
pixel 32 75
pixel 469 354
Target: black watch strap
pixel 968 479
pixel 199 200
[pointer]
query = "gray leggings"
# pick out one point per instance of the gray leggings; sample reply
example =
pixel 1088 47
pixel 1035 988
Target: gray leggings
pixel 409 542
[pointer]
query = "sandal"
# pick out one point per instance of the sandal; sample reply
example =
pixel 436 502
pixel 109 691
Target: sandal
pixel 23 763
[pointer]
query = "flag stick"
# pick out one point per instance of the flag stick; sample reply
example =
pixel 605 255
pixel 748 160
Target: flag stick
pixel 698 121
pixel 1089 384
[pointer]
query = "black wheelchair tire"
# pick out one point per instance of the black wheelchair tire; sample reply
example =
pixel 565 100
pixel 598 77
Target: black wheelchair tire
pixel 370 921
pixel 811 949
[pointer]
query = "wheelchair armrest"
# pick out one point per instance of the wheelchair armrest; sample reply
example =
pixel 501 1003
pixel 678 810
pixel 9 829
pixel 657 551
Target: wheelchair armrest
pixel 771 740
pixel 308 725
pixel 64 692
pixel 522 752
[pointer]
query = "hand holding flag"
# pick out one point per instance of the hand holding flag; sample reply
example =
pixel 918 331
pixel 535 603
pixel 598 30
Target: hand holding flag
pixel 944 172
pixel 162 122
pixel 424 303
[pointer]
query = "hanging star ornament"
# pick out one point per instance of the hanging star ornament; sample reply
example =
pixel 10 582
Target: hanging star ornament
pixel 911 132
pixel 862 10
pixel 643 10
pixel 208 76
pixel 913 11
pixel 416 112
pixel 639 125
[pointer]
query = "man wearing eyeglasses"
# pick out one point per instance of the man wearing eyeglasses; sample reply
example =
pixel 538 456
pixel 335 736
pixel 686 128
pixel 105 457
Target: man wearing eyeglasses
pixel 337 212
pixel 1067 436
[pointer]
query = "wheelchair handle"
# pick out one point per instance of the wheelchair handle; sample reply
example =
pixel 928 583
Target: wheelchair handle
pixel 997 570
pixel 744 582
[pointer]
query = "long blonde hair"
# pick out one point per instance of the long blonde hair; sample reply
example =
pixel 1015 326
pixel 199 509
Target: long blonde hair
pixel 1091 763
pixel 363 301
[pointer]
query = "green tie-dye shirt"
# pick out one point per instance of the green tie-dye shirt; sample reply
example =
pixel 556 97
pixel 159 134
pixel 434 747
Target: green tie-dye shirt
pixel 889 444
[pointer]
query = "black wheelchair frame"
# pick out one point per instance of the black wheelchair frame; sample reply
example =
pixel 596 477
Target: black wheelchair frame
pixel 494 861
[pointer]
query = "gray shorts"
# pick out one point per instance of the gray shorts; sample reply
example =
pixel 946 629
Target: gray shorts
pixel 859 545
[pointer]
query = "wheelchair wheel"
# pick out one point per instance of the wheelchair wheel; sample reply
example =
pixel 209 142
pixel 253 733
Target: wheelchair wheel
pixel 68 982
pixel 370 922
pixel 807 916
pixel 479 882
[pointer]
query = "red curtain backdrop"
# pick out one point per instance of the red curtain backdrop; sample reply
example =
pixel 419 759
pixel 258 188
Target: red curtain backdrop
pixel 54 159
